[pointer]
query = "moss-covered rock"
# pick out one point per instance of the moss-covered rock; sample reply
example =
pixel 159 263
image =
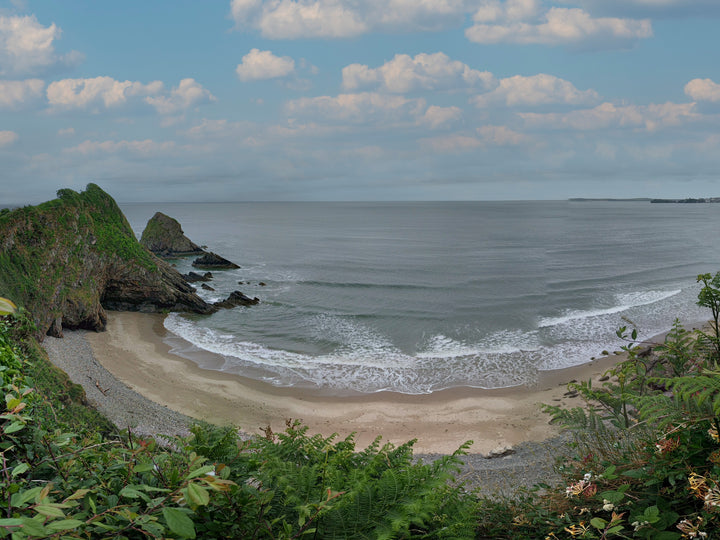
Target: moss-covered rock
pixel 164 236
pixel 69 259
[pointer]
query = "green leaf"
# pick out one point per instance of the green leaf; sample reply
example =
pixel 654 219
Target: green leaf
pixel 15 426
pixel 202 471
pixel 32 527
pixel 23 497
pixel 49 510
pixel 598 523
pixel 10 522
pixel 143 467
pixel 651 514
pixel 19 469
pixel 130 492
pixel 197 495
pixel 179 522
pixel 64 524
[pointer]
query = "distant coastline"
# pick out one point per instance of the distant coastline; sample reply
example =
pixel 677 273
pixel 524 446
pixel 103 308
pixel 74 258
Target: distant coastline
pixel 688 200
pixel 583 199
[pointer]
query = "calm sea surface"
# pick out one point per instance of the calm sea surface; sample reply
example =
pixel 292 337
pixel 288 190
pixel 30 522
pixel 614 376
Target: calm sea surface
pixel 418 297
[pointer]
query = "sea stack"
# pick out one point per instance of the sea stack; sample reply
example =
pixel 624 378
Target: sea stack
pixel 164 236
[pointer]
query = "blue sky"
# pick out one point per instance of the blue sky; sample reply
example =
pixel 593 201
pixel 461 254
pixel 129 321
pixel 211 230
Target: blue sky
pixel 360 99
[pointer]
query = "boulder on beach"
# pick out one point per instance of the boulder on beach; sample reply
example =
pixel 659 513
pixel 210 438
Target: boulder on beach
pixel 164 236
pixel 213 261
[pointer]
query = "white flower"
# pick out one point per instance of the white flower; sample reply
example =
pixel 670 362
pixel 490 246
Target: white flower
pixel 608 506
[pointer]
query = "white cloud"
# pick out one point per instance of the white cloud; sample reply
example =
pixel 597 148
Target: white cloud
pixel 287 19
pixel 146 147
pixel 292 19
pixel 501 136
pixel 486 136
pixel 26 46
pixel 703 90
pixel 66 132
pixel 541 89
pixel 17 93
pixel 425 71
pixel 259 65
pixel 7 138
pixel 609 116
pixel 106 91
pixel 557 26
pixel 439 116
pixel 655 8
pixel 186 95
pixel 362 107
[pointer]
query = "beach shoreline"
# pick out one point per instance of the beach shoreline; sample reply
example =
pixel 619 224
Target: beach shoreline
pixel 133 350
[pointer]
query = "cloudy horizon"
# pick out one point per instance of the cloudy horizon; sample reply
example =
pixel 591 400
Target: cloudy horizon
pixel 359 100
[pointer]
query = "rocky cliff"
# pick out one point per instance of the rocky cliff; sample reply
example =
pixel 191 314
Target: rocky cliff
pixel 69 259
pixel 164 236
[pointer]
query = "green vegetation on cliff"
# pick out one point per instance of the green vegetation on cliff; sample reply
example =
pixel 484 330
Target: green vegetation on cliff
pixel 65 259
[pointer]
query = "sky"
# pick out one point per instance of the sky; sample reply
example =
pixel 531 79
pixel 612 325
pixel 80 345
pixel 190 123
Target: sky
pixel 287 100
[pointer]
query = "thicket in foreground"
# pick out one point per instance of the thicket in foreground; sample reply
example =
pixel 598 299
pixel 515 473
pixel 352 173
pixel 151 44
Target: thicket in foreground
pixel 647 461
pixel 59 479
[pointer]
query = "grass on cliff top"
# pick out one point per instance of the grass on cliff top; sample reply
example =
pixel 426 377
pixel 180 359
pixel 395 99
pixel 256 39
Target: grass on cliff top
pixel 51 240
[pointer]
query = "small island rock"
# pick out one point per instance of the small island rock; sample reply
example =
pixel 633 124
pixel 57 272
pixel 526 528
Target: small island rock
pixel 164 236
pixel 213 261
pixel 237 298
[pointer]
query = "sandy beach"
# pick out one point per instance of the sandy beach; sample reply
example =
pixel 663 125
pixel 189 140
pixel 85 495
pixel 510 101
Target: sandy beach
pixel 132 349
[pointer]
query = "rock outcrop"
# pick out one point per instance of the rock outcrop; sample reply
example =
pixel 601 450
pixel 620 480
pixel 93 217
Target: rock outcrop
pixel 235 299
pixel 213 261
pixel 69 259
pixel 194 277
pixel 164 236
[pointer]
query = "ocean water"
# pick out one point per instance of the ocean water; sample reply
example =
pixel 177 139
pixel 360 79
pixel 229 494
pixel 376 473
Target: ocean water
pixel 418 297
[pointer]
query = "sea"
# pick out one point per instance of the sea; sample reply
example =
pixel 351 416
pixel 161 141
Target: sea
pixel 417 297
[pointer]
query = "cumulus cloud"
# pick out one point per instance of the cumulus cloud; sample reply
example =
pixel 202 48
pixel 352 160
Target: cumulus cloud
pixel 436 117
pixel 485 136
pixel 523 22
pixel 106 91
pixel 423 72
pixel 362 107
pixel 292 19
pixel 187 94
pixel 610 116
pixel 7 138
pixel 26 46
pixel 540 89
pixel 703 90
pixel 17 93
pixel 259 65
pixel 146 147
pixel 654 8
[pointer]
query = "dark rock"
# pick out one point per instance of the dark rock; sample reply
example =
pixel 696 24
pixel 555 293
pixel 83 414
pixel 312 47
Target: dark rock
pixel 206 287
pixel 262 284
pixel 213 261
pixel 164 236
pixel 193 277
pixel 237 298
